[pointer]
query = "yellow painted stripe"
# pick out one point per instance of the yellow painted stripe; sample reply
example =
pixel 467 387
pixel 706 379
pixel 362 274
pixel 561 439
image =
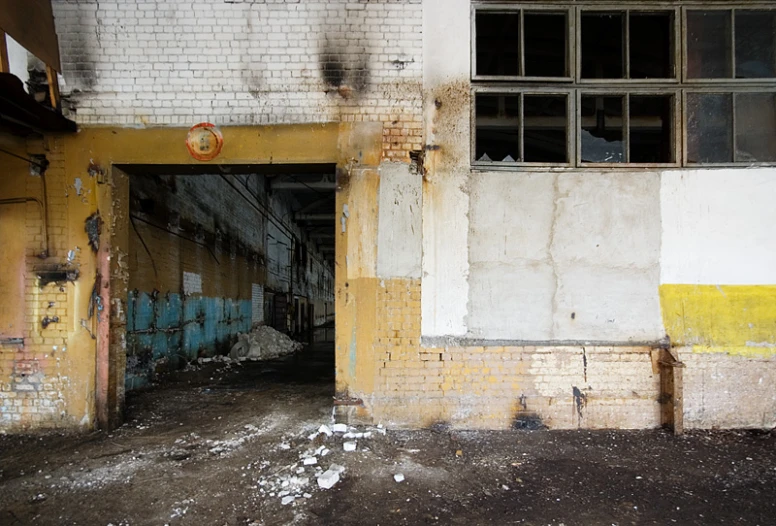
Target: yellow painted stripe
pixel 738 319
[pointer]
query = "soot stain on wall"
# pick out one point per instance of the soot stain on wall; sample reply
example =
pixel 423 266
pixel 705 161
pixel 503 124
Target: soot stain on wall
pixel 580 400
pixel 344 73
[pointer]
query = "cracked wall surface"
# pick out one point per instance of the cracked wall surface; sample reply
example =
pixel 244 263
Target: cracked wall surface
pixel 564 256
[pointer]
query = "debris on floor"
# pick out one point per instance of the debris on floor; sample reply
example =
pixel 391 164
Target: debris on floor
pixel 238 451
pixel 263 343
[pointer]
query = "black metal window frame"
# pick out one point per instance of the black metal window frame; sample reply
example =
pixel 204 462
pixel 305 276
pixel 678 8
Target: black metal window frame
pixel 679 87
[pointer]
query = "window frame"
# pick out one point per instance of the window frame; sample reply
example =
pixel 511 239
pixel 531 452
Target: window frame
pixel 561 90
pixel 521 9
pixel 639 8
pixel 724 89
pixel 731 7
pixel 676 135
pixel 574 87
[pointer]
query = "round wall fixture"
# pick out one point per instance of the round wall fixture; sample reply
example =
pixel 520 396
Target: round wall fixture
pixel 204 141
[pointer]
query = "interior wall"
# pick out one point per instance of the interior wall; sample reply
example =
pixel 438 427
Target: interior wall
pixel 38 359
pixel 204 253
pixel 13 219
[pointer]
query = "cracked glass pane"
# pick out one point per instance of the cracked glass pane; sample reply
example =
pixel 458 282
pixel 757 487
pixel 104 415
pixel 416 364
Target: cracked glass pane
pixel 497 134
pixel 602 137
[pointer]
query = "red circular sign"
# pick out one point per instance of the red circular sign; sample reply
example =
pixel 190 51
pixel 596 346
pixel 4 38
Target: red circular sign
pixel 204 141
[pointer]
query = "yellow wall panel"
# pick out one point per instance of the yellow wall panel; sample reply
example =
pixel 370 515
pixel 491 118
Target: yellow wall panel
pixel 738 319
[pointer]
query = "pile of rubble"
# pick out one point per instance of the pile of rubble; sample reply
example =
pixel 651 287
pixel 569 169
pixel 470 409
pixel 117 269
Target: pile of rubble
pixel 263 343
pixel 297 480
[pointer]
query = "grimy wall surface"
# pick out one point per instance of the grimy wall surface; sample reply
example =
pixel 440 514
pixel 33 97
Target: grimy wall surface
pixel 203 265
pixel 37 366
pixel 246 62
pixel 481 299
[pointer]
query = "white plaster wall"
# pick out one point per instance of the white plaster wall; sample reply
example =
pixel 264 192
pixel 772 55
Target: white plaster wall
pixel 565 256
pixel 446 73
pixel 718 226
pixel 512 280
pixel 399 234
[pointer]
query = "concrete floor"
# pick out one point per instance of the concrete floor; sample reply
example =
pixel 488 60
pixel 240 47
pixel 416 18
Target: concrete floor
pixel 223 445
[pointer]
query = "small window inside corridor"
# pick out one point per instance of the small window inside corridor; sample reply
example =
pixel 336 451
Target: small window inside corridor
pixel 633 83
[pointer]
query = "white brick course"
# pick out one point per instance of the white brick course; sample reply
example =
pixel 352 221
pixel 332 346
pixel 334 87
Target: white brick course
pixel 176 62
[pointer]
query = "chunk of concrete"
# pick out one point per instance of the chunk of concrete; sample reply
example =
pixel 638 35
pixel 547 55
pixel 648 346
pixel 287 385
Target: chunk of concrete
pixel 328 479
pixel 337 468
pixel 287 500
pixel 340 428
pixel 349 446
pixel 310 461
pixel 399 477
pixel 324 429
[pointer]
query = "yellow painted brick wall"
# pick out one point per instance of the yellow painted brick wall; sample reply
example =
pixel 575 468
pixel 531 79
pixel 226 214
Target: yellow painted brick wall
pixel 34 375
pixel 501 387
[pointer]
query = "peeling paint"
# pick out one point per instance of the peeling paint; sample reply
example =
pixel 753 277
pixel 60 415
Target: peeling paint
pixel 93 228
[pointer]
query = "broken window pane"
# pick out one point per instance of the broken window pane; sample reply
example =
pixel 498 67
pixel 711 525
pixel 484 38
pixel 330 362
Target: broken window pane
pixel 545 129
pixel 755 127
pixel 709 42
pixel 498 43
pixel 497 132
pixel 709 128
pixel 651 134
pixel 755 44
pixel 602 46
pixel 602 137
pixel 651 49
pixel 545 44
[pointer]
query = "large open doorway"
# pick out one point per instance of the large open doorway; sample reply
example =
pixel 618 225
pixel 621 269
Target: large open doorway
pixel 216 251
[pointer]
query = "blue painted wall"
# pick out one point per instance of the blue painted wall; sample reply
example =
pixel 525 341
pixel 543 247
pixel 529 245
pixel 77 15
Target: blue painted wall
pixel 166 331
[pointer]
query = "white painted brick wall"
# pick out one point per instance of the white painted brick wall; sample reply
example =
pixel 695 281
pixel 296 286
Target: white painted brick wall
pixel 179 62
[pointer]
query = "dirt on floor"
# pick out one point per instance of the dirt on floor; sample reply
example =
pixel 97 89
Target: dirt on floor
pixel 243 445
